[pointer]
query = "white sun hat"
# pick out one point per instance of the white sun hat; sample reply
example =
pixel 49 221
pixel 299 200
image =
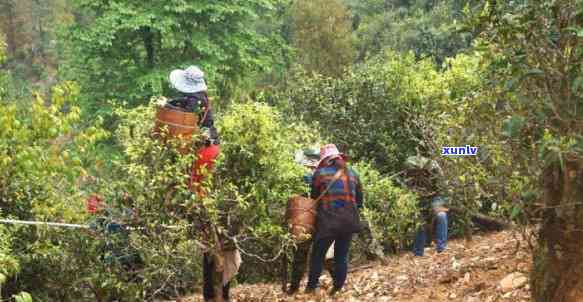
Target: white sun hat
pixel 190 80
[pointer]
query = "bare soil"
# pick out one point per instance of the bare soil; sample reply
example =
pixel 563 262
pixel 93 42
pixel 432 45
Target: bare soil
pixel 467 271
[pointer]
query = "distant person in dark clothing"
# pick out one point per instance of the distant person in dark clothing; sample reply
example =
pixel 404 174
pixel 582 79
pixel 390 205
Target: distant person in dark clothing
pixel 115 222
pixel 423 177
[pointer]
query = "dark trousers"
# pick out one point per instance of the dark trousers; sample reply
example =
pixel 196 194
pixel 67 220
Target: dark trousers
pixel 300 262
pixel 210 277
pixel 319 249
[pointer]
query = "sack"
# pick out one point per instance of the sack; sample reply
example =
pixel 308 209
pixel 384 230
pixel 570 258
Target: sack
pixel 232 263
pixel 333 222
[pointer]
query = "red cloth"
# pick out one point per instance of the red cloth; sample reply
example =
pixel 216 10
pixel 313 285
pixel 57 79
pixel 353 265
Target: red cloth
pixel 206 157
pixel 93 204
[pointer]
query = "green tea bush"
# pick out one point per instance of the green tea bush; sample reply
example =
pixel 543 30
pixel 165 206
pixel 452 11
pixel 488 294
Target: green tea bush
pixel 257 174
pixel 469 114
pixel 9 265
pixel 40 143
pixel 391 211
pixel 369 111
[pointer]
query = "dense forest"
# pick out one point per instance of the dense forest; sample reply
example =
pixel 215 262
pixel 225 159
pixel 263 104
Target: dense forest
pixel 384 80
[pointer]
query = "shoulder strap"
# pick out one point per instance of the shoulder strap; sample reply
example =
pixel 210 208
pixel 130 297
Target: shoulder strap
pixel 337 176
pixel 206 102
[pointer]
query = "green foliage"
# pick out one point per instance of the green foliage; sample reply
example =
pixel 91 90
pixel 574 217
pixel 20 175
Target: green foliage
pixel 154 176
pixel 2 50
pixel 424 27
pixel 258 154
pixel 3 76
pixel 37 146
pixel 391 211
pixel 370 112
pixel 536 105
pixel 23 297
pixel 125 49
pixel 256 176
pixel 322 34
pixel 41 168
pixel 6 82
pixel 534 53
pixel 8 263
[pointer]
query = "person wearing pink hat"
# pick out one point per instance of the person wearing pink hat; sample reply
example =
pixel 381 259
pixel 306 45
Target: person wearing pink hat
pixel 339 190
pixel 309 158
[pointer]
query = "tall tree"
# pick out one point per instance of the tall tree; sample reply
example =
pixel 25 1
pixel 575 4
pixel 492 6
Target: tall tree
pixel 8 24
pixel 424 27
pixel 31 27
pixel 322 34
pixel 537 51
pixel 127 48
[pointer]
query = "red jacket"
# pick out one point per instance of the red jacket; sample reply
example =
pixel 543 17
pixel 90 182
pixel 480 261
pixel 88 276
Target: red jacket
pixel 206 158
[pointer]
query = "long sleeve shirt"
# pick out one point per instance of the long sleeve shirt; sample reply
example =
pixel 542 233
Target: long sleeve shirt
pixel 197 103
pixel 347 188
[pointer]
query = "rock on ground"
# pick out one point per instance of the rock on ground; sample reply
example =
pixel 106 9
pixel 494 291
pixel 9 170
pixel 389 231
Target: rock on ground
pixel 513 281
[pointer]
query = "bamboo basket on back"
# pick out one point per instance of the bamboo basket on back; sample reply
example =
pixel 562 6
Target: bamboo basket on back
pixel 172 123
pixel 301 217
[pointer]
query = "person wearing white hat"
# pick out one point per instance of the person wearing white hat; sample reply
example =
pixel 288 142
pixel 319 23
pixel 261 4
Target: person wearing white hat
pixel 189 80
pixel 191 85
pixel 194 98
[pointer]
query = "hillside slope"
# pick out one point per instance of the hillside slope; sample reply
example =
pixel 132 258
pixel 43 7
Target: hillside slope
pixel 469 272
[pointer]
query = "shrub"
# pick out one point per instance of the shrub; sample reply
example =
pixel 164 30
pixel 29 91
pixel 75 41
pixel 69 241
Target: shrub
pixel 369 111
pixel 391 212
pixel 40 142
pixel 257 174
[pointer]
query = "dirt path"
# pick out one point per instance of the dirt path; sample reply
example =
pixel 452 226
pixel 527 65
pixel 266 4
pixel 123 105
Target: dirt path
pixel 468 272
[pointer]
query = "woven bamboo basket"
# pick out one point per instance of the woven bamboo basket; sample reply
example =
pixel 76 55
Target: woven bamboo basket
pixel 172 123
pixel 301 217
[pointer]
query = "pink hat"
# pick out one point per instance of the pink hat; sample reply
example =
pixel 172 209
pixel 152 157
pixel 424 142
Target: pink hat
pixel 328 152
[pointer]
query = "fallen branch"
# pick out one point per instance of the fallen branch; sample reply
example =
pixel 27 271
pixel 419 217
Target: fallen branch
pixel 483 221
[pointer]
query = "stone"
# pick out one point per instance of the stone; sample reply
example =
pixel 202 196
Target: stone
pixel 455 265
pixel 513 281
pixel 467 278
pixel 403 278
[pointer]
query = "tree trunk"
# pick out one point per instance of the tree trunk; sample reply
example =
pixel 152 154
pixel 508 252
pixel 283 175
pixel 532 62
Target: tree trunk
pixel 558 261
pixel 9 26
pixel 148 37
